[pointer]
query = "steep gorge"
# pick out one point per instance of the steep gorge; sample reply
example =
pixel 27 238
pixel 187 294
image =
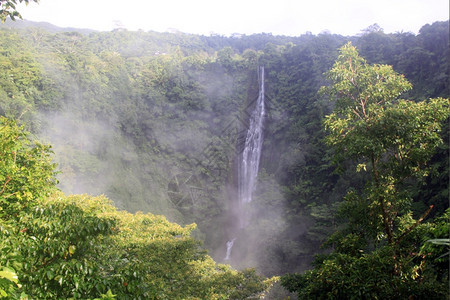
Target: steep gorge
pixel 152 119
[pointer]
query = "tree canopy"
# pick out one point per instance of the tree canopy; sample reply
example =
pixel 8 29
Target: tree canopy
pixel 152 121
pixel 57 246
pixel 378 249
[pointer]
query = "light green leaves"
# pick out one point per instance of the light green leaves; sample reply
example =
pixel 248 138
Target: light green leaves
pixel 26 170
pixel 370 123
pixel 9 282
pixel 81 247
pixel 356 85
pixel 9 274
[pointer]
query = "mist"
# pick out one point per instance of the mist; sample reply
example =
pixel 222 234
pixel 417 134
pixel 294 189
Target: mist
pixel 155 122
pixel 179 164
pixel 158 122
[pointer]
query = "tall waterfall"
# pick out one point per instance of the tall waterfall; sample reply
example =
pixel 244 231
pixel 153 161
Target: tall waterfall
pixel 248 163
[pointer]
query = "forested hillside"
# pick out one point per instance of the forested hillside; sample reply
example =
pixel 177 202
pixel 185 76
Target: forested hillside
pixel 152 120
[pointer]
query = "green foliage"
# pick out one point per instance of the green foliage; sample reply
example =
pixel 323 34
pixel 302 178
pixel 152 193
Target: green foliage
pixel 20 79
pixel 26 170
pixel 393 138
pixel 435 245
pixel 8 9
pixel 61 247
pixel 368 276
pixel 375 254
pixel 70 239
pixel 82 247
pixel 358 86
pixel 157 259
pixel 129 112
pixel 8 282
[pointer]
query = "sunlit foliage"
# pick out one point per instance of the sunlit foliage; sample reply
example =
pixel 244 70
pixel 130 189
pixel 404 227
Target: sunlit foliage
pixel 129 112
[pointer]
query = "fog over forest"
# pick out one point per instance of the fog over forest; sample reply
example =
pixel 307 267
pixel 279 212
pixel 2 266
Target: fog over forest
pixel 162 123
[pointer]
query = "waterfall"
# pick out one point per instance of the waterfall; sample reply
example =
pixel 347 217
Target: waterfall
pixel 248 163
pixel 229 247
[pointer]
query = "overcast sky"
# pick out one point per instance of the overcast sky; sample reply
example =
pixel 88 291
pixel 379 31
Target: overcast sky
pixel 279 17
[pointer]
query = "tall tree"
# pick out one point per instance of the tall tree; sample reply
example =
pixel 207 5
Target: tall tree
pixel 392 139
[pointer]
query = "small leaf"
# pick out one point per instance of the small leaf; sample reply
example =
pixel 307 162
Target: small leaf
pixel 72 249
pixel 50 275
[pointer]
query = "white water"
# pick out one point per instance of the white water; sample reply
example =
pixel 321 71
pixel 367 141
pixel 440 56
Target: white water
pixel 229 247
pixel 249 164
pixel 249 161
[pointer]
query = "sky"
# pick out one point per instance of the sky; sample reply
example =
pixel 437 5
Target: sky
pixel 226 17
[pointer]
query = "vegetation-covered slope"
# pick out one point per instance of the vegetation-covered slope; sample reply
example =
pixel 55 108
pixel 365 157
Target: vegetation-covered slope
pixel 59 247
pixel 151 120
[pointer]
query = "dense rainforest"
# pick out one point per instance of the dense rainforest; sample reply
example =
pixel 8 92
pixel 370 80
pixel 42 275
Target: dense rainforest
pixel 146 124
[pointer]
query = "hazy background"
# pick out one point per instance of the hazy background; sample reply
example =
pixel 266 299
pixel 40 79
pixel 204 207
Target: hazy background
pixel 281 17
